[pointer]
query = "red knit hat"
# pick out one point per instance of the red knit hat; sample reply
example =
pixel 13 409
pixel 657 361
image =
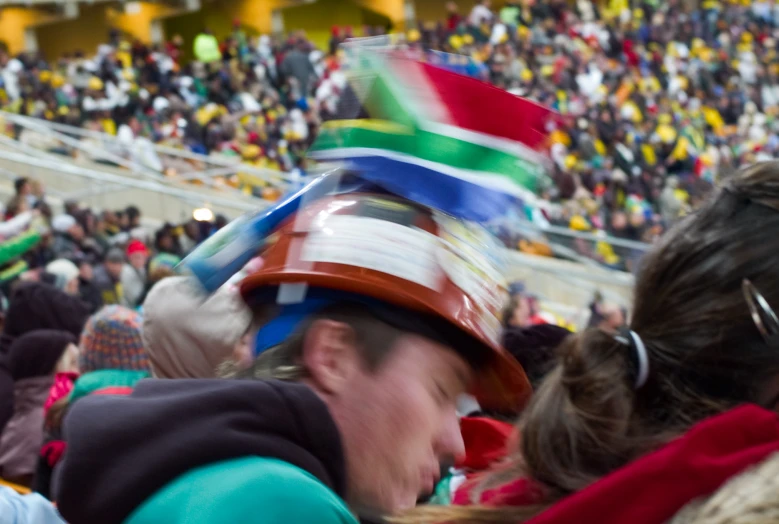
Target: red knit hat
pixel 136 246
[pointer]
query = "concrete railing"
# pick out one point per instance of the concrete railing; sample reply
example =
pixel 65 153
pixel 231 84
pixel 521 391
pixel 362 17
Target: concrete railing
pixel 102 187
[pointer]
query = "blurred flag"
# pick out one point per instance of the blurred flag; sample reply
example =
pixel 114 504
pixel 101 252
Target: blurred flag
pixel 429 126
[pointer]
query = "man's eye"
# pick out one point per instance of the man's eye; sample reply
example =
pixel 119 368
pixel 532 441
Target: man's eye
pixel 441 393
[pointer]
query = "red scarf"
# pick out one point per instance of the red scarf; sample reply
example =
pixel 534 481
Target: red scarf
pixel 652 489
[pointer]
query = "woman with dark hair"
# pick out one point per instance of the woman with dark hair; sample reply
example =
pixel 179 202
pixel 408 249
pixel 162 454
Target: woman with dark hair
pixel 644 425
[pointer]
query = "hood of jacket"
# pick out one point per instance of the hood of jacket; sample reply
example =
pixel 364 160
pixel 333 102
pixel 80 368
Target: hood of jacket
pixel 121 450
pixel 23 436
pixel 40 306
pixel 186 336
pixel 36 353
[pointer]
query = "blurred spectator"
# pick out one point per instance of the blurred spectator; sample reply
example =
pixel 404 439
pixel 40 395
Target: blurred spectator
pixel 517 313
pixel 66 276
pixel 534 347
pixel 34 306
pixel 206 47
pixel 606 316
pixel 296 64
pixel 107 277
pixel 671 205
pixel 644 94
pixel 87 290
pixel 22 191
pixel 453 18
pixel 133 275
pixel 166 241
pixel 133 217
pixel 480 14
pixel 193 235
pixel 68 235
pixel 34 359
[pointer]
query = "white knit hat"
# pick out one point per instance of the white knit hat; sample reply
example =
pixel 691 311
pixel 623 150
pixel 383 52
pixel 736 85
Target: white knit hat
pixel 64 270
pixel 61 223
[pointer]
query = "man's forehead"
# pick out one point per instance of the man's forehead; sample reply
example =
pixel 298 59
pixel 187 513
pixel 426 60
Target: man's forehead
pixel 421 351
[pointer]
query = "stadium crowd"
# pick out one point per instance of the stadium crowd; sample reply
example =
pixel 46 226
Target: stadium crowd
pixel 345 382
pixel 105 257
pixel 660 98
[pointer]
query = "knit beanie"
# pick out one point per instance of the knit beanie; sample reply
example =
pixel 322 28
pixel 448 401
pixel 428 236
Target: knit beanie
pixel 63 271
pixel 35 305
pixel 112 340
pixel 35 354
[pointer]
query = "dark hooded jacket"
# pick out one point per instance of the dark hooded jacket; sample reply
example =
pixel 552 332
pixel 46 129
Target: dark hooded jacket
pixel 122 450
pixel 35 306
pixel 32 358
pixel 534 347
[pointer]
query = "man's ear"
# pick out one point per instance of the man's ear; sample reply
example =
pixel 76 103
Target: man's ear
pixel 330 355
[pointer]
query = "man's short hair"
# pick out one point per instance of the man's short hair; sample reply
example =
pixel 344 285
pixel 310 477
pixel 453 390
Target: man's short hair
pixel 19 183
pixel 132 212
pixel 374 340
pixel 115 255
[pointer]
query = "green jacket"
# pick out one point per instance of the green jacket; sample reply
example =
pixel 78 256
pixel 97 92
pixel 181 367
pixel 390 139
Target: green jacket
pixel 18 246
pixel 206 48
pixel 245 490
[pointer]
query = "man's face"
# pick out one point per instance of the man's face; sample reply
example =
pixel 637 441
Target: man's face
pixel 166 242
pixel 86 271
pixel 138 260
pixel 76 232
pixel 521 314
pixel 114 269
pixel 399 422
pixel 72 287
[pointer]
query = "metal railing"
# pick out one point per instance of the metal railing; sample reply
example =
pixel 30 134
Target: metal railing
pixel 108 148
pixel 124 182
pixel 60 139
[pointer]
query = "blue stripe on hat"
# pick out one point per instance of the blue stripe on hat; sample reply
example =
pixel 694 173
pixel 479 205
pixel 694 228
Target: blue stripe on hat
pixel 282 326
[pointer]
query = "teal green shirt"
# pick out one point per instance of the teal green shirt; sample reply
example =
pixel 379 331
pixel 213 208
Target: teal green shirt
pixel 93 381
pixel 246 490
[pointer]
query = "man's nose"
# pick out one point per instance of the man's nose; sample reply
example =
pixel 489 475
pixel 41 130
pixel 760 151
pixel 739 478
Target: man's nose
pixel 449 444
